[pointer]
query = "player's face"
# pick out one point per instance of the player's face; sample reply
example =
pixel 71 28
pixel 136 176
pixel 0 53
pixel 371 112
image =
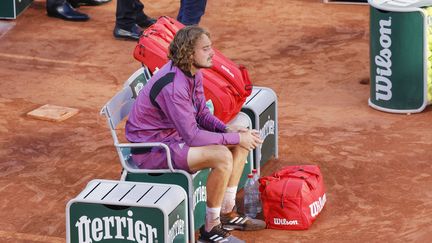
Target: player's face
pixel 203 52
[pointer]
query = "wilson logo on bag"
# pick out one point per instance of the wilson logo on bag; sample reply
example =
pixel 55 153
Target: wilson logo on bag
pixel 226 84
pixel 293 197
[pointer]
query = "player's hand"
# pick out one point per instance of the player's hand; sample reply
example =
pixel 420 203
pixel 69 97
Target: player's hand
pixel 250 139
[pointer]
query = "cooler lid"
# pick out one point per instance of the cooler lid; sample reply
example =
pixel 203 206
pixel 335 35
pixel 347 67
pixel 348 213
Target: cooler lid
pixel 400 5
pixel 260 99
pixel 139 194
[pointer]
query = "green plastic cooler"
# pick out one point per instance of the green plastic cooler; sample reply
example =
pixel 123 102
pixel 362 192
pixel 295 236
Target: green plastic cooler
pixel 120 211
pixel 399 55
pixel 10 9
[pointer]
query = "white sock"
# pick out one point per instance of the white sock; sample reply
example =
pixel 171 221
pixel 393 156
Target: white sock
pixel 212 218
pixel 228 202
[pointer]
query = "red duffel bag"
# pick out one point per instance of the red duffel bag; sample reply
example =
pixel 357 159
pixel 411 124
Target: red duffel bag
pixel 152 47
pixel 226 84
pixel 293 197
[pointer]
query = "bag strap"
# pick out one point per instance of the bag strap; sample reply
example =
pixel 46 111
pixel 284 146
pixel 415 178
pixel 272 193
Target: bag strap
pixel 283 193
pixel 170 24
pixel 264 181
pixel 311 187
pixel 313 170
pixel 247 83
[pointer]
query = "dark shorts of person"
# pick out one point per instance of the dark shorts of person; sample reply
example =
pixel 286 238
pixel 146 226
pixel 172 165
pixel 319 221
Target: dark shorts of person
pixel 156 158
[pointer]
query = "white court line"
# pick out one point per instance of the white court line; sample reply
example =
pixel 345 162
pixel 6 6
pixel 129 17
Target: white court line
pixel 5 27
pixel 48 60
pixel 30 237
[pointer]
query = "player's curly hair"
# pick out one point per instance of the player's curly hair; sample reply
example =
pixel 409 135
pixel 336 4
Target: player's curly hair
pixel 181 49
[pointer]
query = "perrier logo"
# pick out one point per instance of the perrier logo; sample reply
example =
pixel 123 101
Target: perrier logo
pixel 383 62
pixel 114 228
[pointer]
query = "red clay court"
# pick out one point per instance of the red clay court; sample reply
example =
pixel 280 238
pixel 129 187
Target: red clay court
pixel 376 166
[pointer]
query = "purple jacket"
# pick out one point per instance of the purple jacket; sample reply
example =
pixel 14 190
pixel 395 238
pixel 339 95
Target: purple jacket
pixel 171 107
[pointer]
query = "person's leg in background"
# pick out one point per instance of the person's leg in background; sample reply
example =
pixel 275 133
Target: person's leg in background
pixel 191 11
pixel 129 18
pixel 77 3
pixel 125 26
pixel 62 9
pixel 142 19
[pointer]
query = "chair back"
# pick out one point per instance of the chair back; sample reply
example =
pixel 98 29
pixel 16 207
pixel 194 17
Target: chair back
pixel 117 109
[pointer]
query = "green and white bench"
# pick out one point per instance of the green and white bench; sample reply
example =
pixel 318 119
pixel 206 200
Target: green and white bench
pixel 120 211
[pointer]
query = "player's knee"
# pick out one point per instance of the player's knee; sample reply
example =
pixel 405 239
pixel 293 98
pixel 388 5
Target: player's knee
pixel 224 159
pixel 225 155
pixel 240 150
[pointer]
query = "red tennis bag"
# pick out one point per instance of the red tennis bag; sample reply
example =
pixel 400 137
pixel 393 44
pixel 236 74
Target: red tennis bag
pixel 152 47
pixel 293 197
pixel 226 84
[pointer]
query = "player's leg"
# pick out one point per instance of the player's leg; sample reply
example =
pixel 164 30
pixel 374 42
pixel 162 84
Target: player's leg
pixel 220 160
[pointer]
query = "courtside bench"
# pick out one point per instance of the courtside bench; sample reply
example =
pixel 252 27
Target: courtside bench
pixel 120 211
